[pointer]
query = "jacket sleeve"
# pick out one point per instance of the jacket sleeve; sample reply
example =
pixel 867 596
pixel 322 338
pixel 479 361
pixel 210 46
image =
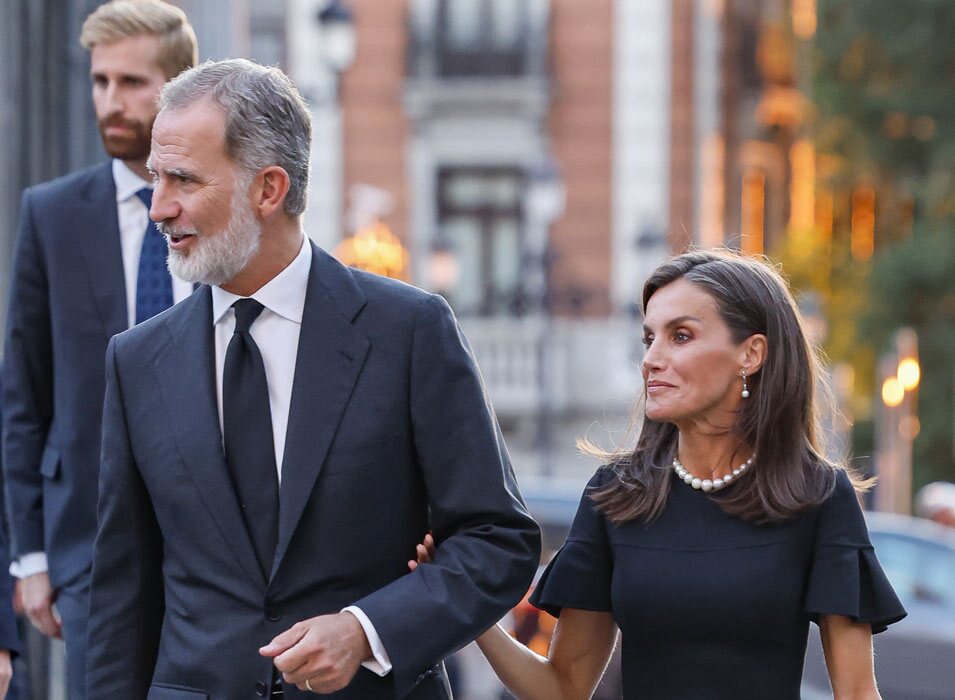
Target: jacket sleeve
pixel 9 639
pixel 27 386
pixel 126 594
pixel 488 545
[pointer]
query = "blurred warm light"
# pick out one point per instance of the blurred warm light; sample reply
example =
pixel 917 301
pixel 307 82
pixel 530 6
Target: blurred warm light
pixel 909 373
pixel 804 18
pixel 895 125
pixel 923 128
pixel 802 192
pixel 711 215
pixel 376 249
pixel 774 54
pixel 892 392
pixel 863 222
pixel 781 106
pixel 753 209
pixel 824 212
pixel 909 427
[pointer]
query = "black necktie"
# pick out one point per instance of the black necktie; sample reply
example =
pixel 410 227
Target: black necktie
pixel 249 446
pixel 153 283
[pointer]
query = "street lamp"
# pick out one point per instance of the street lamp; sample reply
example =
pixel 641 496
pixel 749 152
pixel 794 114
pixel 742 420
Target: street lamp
pixel 443 267
pixel 374 248
pixel 322 45
pixel 546 195
pixel 544 201
pixel 898 423
pixel 337 23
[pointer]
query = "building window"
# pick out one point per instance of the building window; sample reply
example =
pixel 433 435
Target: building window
pixel 482 37
pixel 268 40
pixel 479 215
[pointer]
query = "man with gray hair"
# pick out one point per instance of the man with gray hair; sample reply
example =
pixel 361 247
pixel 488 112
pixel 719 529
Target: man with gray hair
pixel 275 446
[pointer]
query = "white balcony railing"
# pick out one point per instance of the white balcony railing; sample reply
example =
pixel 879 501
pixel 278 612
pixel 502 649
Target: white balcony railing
pixel 592 363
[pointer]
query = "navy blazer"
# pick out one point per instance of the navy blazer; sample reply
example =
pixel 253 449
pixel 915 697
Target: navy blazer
pixel 67 299
pixel 390 433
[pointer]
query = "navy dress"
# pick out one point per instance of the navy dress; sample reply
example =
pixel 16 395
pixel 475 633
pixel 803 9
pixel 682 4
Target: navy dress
pixel 711 606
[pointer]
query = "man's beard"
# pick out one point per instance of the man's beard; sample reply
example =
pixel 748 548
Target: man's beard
pixel 217 258
pixel 133 147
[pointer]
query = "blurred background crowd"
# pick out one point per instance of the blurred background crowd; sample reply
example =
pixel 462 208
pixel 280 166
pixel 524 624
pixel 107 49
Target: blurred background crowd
pixel 533 160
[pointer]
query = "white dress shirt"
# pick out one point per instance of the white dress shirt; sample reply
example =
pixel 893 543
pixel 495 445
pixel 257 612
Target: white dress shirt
pixel 276 331
pixel 132 216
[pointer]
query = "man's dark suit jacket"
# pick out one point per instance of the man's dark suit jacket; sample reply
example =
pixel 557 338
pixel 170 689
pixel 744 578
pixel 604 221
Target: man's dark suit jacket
pixel 390 434
pixel 67 299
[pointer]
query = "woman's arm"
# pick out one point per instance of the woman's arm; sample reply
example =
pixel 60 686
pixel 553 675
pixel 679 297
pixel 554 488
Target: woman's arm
pixel 848 649
pixel 6 672
pixel 579 652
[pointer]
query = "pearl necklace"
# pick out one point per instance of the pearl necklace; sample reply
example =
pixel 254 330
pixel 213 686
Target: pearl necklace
pixel 710 484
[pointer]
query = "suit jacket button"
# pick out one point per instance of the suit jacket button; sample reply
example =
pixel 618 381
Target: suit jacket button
pixel 274 616
pixel 261 689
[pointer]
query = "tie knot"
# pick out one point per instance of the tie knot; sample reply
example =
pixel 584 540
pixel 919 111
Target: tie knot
pixel 146 197
pixel 246 311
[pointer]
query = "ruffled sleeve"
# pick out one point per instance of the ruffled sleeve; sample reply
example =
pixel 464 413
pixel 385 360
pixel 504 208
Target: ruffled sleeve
pixel 579 575
pixel 845 577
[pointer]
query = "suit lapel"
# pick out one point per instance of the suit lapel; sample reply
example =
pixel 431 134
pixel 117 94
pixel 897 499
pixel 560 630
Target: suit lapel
pixel 97 226
pixel 331 353
pixel 186 376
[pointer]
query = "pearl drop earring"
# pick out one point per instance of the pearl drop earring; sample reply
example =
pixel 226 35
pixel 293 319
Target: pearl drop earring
pixel 745 392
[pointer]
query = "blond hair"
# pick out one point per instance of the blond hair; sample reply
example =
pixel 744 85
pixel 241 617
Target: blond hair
pixel 120 19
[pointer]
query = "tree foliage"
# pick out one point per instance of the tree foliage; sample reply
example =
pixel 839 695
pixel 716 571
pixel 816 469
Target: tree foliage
pixel 884 91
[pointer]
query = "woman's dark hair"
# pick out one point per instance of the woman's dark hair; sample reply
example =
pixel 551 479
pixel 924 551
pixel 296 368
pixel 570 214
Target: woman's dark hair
pixel 780 419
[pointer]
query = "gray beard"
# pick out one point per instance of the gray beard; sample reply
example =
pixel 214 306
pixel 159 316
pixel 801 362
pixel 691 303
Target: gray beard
pixel 217 258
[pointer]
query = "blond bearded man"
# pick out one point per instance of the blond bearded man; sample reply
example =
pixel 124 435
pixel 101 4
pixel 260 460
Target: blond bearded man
pixel 87 267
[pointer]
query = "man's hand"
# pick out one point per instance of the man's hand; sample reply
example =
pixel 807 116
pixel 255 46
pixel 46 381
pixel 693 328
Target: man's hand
pixel 326 651
pixel 38 600
pixel 6 672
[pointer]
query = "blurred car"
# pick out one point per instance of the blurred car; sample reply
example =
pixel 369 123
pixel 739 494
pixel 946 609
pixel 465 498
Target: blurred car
pixel 553 504
pixel 915 659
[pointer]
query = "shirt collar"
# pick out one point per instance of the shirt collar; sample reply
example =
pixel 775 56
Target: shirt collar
pixel 284 294
pixel 127 182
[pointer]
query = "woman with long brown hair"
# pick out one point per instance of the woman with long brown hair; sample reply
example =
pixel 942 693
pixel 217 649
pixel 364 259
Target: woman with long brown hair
pixel 717 539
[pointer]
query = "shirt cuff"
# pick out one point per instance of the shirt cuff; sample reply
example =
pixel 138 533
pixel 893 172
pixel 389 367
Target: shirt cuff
pixel 29 564
pixel 381 664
